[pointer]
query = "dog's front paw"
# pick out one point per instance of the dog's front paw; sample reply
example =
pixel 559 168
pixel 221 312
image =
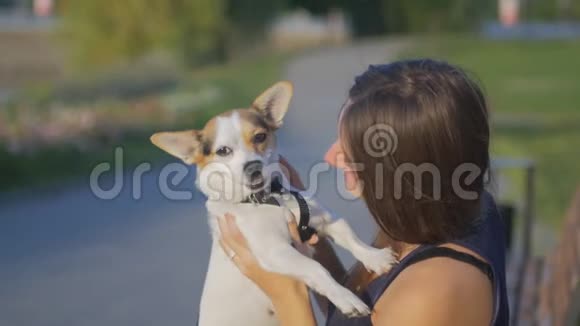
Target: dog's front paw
pixel 378 261
pixel 349 304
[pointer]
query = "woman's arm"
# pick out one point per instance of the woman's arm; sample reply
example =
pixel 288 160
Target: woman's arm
pixel 294 308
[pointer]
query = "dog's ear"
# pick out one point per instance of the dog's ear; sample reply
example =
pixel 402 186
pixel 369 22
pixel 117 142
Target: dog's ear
pixel 273 102
pixel 185 145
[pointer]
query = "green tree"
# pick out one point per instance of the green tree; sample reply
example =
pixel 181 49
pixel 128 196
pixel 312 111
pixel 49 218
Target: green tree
pixel 366 16
pixel 371 17
pixel 253 15
pixel 536 10
pixel 248 21
pixel 433 15
pixel 104 32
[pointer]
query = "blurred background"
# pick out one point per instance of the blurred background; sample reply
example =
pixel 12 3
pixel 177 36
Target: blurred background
pixel 81 78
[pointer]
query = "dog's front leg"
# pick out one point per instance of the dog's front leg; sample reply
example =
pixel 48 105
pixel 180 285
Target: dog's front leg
pixel 376 260
pixel 284 259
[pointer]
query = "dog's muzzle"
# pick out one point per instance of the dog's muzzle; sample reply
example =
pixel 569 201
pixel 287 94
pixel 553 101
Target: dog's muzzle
pixel 253 173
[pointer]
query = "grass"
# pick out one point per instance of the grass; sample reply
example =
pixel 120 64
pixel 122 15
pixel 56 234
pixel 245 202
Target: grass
pixel 534 96
pixel 238 83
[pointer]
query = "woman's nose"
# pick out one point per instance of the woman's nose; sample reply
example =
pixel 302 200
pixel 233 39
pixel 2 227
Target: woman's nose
pixel 331 155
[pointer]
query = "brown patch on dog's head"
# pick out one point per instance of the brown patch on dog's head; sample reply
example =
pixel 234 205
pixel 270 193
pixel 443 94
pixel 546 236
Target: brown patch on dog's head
pixel 191 146
pixel 257 133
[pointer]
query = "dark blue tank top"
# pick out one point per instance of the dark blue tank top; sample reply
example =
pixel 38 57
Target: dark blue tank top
pixel 488 241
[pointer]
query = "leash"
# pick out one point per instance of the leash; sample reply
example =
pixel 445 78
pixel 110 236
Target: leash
pixel 263 198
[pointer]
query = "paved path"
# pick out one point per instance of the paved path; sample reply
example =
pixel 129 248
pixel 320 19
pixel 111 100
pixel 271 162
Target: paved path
pixel 68 258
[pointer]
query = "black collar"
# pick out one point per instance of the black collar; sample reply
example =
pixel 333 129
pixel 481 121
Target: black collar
pixel 264 197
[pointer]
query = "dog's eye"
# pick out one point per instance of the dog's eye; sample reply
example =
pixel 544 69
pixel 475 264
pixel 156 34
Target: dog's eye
pixel 259 138
pixel 223 151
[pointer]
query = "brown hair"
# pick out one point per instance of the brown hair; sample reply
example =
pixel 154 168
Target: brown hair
pixel 436 117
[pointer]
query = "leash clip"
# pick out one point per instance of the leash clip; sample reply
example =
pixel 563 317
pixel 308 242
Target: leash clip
pixel 253 199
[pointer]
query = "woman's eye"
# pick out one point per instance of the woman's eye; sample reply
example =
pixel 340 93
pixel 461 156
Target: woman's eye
pixel 223 151
pixel 259 138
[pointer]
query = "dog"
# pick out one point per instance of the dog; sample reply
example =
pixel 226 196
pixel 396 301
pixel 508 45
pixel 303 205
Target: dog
pixel 235 154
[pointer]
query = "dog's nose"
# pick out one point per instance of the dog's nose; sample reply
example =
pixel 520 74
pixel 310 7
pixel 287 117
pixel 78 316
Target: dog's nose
pixel 253 169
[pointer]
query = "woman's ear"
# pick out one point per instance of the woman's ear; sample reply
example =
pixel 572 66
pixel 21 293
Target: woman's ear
pixel 184 145
pixel 273 103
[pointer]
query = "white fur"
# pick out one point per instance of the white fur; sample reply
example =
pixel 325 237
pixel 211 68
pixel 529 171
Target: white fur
pixel 231 299
pixel 223 179
pixel 265 228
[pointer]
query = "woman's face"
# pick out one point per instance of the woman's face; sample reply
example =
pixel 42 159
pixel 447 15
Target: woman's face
pixel 336 156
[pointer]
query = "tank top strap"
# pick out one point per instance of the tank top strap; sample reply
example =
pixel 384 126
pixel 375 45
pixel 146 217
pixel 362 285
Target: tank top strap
pixel 377 287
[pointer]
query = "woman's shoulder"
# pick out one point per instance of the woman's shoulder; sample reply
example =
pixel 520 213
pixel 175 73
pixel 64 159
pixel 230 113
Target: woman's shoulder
pixel 437 291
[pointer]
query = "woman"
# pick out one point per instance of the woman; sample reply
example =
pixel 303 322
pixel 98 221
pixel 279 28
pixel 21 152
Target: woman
pixel 440 221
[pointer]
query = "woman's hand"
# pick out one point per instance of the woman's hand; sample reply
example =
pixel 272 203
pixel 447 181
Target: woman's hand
pixel 234 243
pixel 273 284
pixel 289 296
